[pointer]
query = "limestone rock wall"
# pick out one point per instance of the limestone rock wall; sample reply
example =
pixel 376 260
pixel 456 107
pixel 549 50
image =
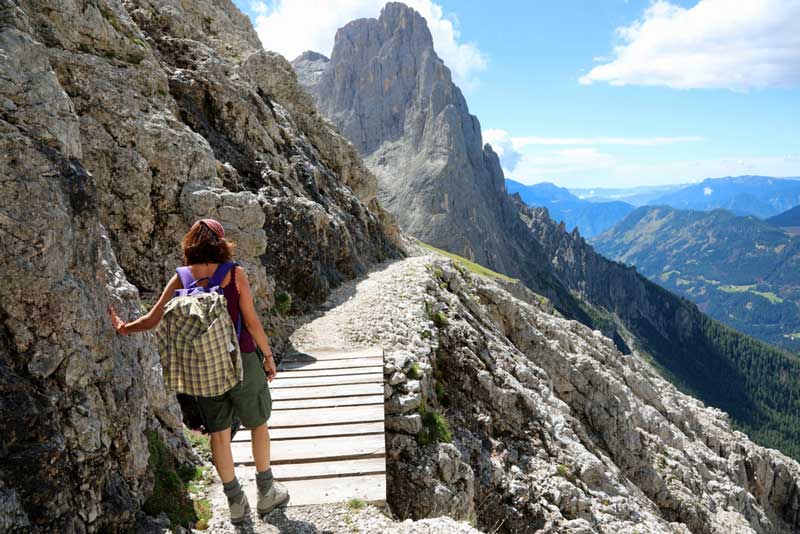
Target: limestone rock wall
pixel 121 122
pixel 554 430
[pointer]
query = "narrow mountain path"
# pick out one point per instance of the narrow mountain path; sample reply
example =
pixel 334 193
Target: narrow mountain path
pixel 382 308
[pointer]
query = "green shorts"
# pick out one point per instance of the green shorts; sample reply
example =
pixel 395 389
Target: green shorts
pixel 250 399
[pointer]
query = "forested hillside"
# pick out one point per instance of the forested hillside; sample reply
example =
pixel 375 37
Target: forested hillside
pixel 740 270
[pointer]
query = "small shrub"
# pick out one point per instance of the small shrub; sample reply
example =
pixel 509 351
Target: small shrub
pixel 441 396
pixel 169 492
pixel 356 504
pixel 565 471
pixel 438 318
pixel 283 302
pixel 415 373
pixel 200 442
pixel 434 428
pixel 202 508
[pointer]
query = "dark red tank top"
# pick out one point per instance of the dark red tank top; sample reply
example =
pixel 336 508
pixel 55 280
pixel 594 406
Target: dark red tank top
pixel 246 343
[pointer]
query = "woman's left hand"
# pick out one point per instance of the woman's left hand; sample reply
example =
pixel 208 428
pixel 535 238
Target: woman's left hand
pixel 269 367
pixel 116 322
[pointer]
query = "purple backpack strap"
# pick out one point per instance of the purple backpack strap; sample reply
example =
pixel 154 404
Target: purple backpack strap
pixel 187 280
pixel 220 273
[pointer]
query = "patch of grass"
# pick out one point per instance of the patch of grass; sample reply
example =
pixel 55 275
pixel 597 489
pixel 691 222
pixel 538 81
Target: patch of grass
pixel 434 427
pixel 169 492
pixel 415 373
pixel 202 508
pixel 736 289
pixel 439 318
pixel 283 302
pixel 425 334
pixel 470 265
pixel 770 296
pixel 199 441
pixel 441 395
pixel 356 504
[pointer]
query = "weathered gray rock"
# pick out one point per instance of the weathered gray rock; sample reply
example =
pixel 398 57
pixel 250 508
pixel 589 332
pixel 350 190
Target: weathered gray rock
pixel 389 93
pixel 407 424
pixel 120 124
pixel 392 96
pixel 554 429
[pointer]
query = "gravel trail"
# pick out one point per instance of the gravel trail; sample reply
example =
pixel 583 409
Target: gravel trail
pixel 384 308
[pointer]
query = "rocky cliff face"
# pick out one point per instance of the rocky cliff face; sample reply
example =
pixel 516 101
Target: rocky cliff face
pixel 120 124
pixel 393 97
pixel 549 428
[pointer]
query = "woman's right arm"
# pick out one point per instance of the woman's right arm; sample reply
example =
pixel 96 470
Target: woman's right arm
pixel 151 318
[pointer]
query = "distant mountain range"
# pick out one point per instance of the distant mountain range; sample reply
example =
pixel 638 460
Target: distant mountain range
pixel 594 211
pixel 591 218
pixel 761 196
pixel 787 219
pixel 388 92
pixel 638 196
pixel 742 271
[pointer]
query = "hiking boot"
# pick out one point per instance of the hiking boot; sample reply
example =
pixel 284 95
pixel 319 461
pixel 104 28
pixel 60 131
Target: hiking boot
pixel 240 508
pixel 276 496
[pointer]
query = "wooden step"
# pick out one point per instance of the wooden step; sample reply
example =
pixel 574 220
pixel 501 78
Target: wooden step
pixel 326 416
pixel 305 471
pixel 324 354
pixel 315 450
pixel 326 428
pixel 301 432
pixel 284 375
pixel 325 392
pixel 345 363
pixel 279 382
pixel 327 403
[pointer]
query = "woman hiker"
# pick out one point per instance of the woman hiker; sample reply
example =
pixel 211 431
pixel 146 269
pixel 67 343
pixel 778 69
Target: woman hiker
pixel 204 250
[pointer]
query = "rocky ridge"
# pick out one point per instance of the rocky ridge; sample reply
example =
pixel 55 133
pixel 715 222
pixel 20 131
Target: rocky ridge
pixel 553 429
pixel 387 91
pixel 121 122
pixel 392 96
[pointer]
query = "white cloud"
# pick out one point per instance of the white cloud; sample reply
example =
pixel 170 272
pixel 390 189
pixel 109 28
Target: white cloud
pixel 504 146
pixel 627 172
pixel 717 44
pixel 707 191
pixel 567 161
pixel 291 27
pixel 520 142
pixel 510 151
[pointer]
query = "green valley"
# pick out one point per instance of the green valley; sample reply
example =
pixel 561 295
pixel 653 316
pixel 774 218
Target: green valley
pixel 740 270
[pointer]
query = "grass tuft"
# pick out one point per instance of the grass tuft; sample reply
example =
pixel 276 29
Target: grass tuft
pixel 415 373
pixel 283 303
pixel 470 265
pixel 434 427
pixel 356 504
pixel 169 492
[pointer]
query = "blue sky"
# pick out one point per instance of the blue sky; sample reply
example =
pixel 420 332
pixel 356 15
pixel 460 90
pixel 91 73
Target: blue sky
pixel 696 89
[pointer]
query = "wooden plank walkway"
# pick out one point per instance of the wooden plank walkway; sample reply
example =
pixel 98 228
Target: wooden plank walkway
pixel 326 428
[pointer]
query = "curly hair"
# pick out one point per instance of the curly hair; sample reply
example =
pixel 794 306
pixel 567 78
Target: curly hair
pixel 202 245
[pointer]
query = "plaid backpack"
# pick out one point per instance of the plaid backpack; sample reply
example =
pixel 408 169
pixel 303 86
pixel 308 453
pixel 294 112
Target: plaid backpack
pixel 197 340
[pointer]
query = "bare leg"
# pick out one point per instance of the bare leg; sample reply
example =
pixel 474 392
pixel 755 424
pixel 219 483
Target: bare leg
pixel 221 454
pixel 260 439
